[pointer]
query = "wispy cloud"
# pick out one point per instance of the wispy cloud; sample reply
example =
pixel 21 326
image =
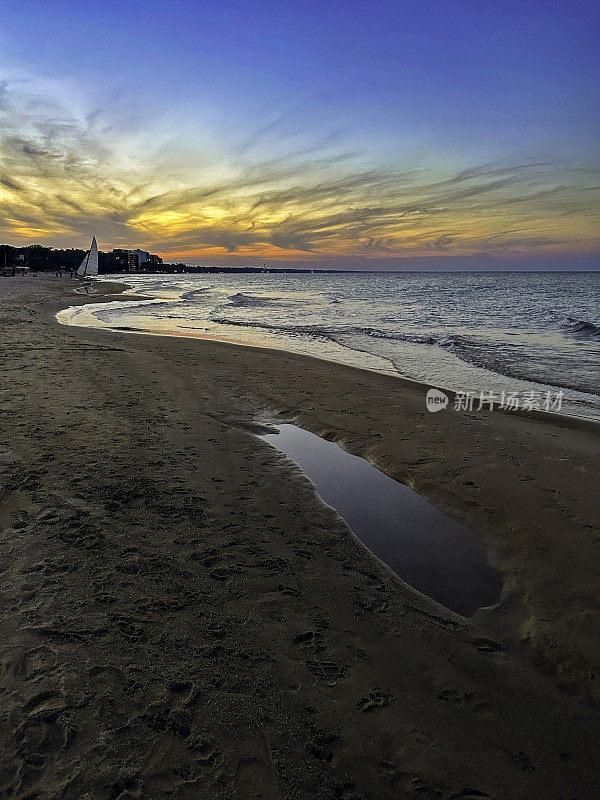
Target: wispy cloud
pixel 65 175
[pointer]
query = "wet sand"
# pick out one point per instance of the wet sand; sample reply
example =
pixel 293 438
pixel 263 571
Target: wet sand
pixel 183 617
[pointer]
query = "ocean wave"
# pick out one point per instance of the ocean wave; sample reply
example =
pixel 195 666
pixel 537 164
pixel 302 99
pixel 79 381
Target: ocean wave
pixel 484 354
pixel 375 333
pixel 533 328
pixel 302 330
pixel 320 330
pixel 243 300
pixel 581 326
pixel 192 293
pixel 505 361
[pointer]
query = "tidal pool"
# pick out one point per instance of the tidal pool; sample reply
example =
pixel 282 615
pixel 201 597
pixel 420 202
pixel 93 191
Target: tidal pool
pixel 435 554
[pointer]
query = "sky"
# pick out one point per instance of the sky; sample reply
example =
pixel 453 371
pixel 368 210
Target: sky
pixel 382 135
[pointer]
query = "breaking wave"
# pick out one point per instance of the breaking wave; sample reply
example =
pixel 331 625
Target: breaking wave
pixel 581 326
pixel 243 300
pixel 461 330
pixel 482 353
pixel 319 330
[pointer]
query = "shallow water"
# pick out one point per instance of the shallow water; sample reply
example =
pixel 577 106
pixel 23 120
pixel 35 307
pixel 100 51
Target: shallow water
pixel 492 332
pixel 427 549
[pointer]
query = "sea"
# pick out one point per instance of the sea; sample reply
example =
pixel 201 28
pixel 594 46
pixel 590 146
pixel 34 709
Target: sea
pixel 533 335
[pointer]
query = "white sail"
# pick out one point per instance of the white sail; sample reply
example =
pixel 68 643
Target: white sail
pixel 82 268
pixel 89 265
pixel 92 267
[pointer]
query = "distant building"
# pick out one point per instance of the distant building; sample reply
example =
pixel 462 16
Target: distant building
pixel 122 258
pixel 136 260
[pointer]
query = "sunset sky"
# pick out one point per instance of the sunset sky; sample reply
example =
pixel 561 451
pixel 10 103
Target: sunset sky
pixel 378 134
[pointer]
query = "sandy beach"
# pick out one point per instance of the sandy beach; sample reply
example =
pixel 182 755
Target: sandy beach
pixel 183 617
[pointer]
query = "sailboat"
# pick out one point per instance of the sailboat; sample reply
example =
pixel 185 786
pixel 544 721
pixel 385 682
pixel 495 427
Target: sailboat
pixel 89 265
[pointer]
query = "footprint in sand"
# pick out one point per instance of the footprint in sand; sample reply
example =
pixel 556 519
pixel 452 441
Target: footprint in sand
pixel 321 745
pixel 327 671
pixel 374 700
pixel 310 642
pixel 456 698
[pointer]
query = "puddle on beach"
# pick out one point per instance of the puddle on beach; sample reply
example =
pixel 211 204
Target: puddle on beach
pixel 427 549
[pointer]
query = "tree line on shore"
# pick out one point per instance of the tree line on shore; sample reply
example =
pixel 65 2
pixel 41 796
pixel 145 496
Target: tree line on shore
pixel 38 258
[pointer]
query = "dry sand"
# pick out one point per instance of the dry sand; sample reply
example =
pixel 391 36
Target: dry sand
pixel 182 617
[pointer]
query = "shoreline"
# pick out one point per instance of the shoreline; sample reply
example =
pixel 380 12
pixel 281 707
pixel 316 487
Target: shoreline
pixel 128 293
pixel 178 589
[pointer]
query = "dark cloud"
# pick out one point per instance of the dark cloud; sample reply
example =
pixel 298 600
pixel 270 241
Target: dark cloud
pixel 10 184
pixel 442 242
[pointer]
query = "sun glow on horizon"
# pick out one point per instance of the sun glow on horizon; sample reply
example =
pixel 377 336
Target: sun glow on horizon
pixel 427 162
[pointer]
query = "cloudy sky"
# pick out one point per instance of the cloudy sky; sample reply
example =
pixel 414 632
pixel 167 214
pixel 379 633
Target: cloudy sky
pixel 381 134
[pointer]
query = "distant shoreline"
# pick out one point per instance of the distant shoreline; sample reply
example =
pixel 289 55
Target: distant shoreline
pixel 307 270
